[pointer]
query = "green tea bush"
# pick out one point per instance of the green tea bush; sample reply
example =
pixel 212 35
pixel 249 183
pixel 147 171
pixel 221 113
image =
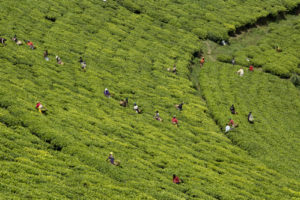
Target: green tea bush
pixel 280 71
pixel 205 14
pixel 295 80
pixel 268 103
pixel 225 58
pixel 62 155
pixel 274 48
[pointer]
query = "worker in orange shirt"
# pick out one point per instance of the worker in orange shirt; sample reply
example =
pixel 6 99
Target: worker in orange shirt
pixel 30 44
pixel 202 62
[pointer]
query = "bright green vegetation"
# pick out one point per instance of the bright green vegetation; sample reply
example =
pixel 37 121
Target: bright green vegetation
pixel 275 48
pixel 210 19
pixel 275 135
pixel 62 155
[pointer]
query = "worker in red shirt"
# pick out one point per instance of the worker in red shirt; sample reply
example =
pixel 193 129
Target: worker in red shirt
pixel 176 180
pixel 38 104
pixel 41 108
pixel 174 120
pixel 30 44
pixel 231 123
pixel 202 62
pixel 251 68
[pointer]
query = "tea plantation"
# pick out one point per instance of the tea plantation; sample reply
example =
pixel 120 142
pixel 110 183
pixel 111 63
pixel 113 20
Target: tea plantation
pixel 128 47
pixel 274 48
pixel 275 105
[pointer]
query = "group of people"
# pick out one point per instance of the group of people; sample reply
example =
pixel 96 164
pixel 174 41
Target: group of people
pixel 46 54
pixel 136 108
pixel 17 41
pixel 231 124
pixel 124 103
pixel 240 72
pixel 174 69
pixel 58 59
pixel 174 119
pixel 112 161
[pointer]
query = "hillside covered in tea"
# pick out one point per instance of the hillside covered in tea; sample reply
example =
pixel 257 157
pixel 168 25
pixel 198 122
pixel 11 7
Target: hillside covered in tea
pixel 130 48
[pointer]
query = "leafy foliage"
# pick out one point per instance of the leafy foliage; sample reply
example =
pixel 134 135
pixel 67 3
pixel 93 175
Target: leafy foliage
pixel 62 155
pixel 210 19
pixel 274 48
pixel 275 107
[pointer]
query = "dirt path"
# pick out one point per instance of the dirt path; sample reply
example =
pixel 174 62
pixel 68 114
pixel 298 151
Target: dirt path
pixel 208 51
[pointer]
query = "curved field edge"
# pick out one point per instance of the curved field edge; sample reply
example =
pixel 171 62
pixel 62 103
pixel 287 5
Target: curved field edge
pixel 202 18
pixel 272 48
pixel 67 148
pixel 274 135
pixel 257 47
